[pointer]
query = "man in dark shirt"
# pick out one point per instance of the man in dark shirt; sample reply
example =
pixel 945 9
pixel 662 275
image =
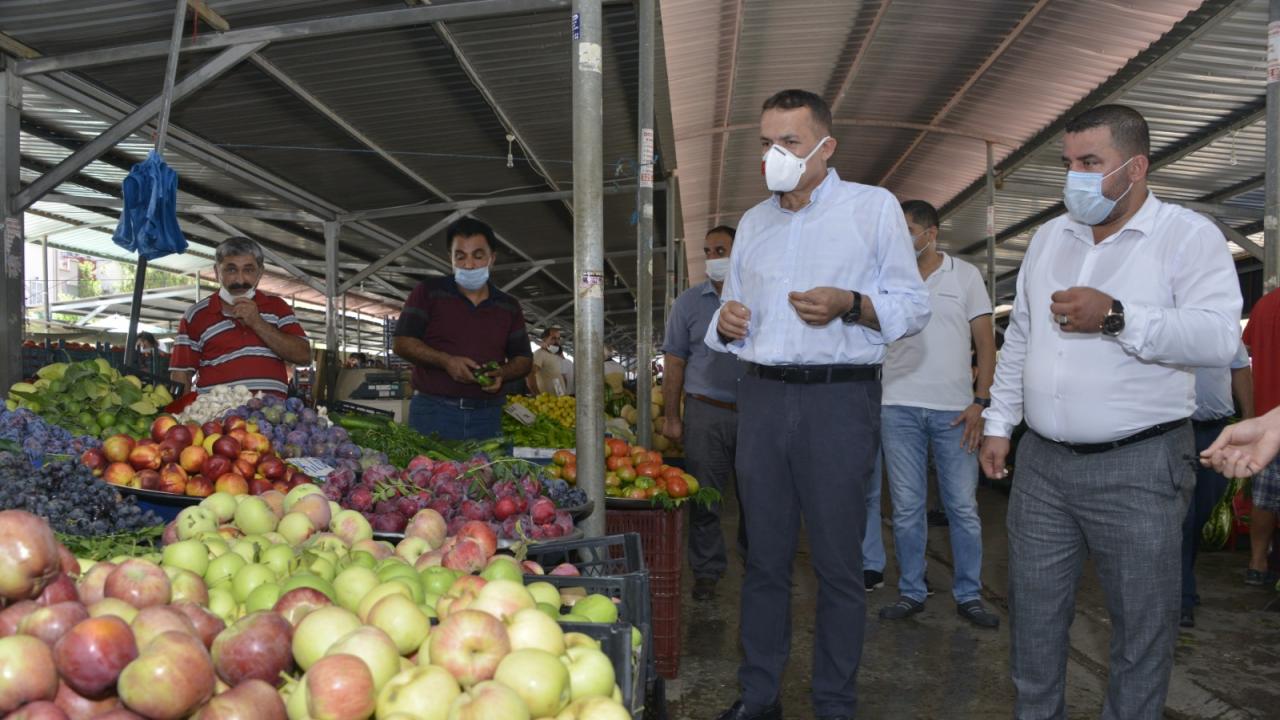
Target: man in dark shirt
pixel 452 326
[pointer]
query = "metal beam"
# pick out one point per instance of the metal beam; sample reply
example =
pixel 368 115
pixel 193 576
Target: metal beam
pixel 331 230
pixel 305 29
pixel 122 298
pixel 140 116
pixel 1184 34
pixel 1236 237
pixel 739 11
pixel 856 64
pixel 537 268
pixel 1271 218
pixel 864 122
pixel 1012 37
pixel 644 225
pixel 410 244
pixel 270 254
pixel 477 203
pixel 12 285
pixel 187 208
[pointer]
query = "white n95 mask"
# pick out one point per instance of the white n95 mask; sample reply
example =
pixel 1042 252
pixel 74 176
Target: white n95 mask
pixel 783 169
pixel 717 269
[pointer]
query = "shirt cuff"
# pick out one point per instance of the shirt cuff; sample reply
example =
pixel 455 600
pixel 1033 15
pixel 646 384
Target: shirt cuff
pixel 712 339
pixel 996 428
pixel 1137 325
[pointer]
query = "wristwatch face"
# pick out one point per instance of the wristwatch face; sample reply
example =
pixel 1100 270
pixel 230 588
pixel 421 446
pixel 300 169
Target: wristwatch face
pixel 1112 324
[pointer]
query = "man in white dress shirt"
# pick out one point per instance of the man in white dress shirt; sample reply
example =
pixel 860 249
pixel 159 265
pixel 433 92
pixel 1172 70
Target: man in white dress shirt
pixel 1117 301
pixel 821 279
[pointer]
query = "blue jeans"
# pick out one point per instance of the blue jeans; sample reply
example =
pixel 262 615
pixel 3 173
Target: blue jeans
pixel 873 557
pixel 906 434
pixel 455 418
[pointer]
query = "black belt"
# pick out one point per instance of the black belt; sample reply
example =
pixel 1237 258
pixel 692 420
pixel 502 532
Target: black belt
pixel 715 403
pixel 813 374
pixel 468 403
pixel 1094 448
pixel 1212 423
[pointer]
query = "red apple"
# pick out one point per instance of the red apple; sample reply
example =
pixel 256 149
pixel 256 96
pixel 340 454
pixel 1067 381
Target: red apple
pixel 226 446
pixel 145 457
pixel 296 603
pixel 117 448
pixel 120 713
pixel 152 622
pixel 259 485
pixel 215 466
pixel 469 644
pixel 79 707
pixel 92 654
pixel 339 687
pixel 467 556
pixel 148 479
pixel 244 468
pixel 28 671
pixel 274 500
pixel 170 678
pixel 39 710
pixel 139 583
pixel 170 452
pixel 70 565
pixel 29 558
pixel 297 478
pixel 12 616
pixel 92 584
pixel 173 479
pixel 233 422
pixel 250 456
pixel 199 486
pixel 239 435
pixel 197 433
pixel 179 435
pixel 273 468
pixel 161 425
pixel 119 473
pixel 52 622
pixel 192 459
pixel 481 533
pixel 428 525
pixel 95 460
pixel 62 589
pixel 213 427
pixel 250 700
pixel 207 625
pixel 257 442
pixel 258 646
pixel 280 486
pixel 231 483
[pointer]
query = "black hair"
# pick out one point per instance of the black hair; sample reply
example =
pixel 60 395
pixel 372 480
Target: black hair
pixel 726 229
pixel 1129 133
pixel 147 338
pixel 921 213
pixel 793 99
pixel 547 333
pixel 468 227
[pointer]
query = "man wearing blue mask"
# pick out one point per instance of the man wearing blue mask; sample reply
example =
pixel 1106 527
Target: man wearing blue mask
pixel 821 280
pixel 708 380
pixel 450 328
pixel 1117 302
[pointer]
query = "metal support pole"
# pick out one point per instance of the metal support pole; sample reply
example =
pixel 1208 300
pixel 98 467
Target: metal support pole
pixel 166 101
pixel 670 256
pixel 331 291
pixel 1271 218
pixel 991 224
pixel 644 228
pixel 359 335
pixel 48 315
pixel 588 252
pixel 12 301
pixel 342 343
pixel 682 265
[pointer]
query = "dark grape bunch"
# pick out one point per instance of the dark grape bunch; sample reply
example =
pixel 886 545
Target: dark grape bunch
pixel 39 438
pixel 69 496
pixel 564 495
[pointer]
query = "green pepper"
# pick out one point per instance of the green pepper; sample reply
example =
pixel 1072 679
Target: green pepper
pixel 481 374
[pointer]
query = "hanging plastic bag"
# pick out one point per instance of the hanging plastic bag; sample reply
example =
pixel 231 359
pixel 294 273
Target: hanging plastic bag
pixel 149 222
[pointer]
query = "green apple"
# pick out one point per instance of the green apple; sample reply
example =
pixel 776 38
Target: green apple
pixel 306 579
pixel 187 554
pixel 280 558
pixel 551 611
pixel 594 708
pixel 573 617
pixel 195 520
pixel 223 604
pixel 299 492
pixel 533 628
pixel 414 585
pixel 374 647
pixel 502 567
pixel 422 693
pixel 296 527
pixel 378 592
pixel 320 566
pixel 436 580
pixel 401 620
pixel 215 544
pixel 318 630
pixel 352 584
pixel 598 608
pixel 362 558
pixel 544 592
pixel 263 597
pixel 223 569
pixel 538 677
pixel 590 672
pixel 248 578
pixel 222 504
pixel 255 517
pixel 247 551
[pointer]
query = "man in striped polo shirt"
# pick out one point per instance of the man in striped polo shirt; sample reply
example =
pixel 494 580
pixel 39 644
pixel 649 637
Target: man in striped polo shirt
pixel 239 336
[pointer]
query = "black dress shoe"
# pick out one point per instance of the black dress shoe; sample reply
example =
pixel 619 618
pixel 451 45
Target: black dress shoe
pixel 739 712
pixel 704 588
pixel 1188 618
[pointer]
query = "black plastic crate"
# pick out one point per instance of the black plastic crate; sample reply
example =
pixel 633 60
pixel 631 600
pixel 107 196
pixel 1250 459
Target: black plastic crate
pixel 350 408
pixel 628 665
pixel 605 556
pixel 631 590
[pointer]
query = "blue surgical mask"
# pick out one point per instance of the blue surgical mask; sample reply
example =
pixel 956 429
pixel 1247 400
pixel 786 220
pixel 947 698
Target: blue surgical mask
pixel 1084 198
pixel 471 278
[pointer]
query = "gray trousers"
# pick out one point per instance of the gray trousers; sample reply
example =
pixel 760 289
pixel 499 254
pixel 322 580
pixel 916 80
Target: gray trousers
pixel 804 450
pixel 1124 508
pixel 710 440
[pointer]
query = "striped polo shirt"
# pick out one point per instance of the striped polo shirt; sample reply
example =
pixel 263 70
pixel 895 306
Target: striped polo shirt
pixel 224 351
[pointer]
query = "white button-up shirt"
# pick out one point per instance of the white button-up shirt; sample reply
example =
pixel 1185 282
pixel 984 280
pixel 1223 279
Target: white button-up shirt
pixel 1171 270
pixel 849 236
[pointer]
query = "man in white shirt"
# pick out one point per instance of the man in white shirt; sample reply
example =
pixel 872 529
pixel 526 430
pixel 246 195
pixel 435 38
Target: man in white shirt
pixel 1116 302
pixel 548 371
pixel 821 279
pixel 930 401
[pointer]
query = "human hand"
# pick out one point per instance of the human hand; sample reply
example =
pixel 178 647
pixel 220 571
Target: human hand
pixel 461 369
pixel 1244 448
pixel 995 450
pixel 734 320
pixel 495 382
pixel 246 311
pixel 672 428
pixel 1083 309
pixel 973 423
pixel 821 305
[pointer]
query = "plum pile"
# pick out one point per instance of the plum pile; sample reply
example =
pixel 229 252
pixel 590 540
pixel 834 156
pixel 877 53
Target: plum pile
pixel 507 495
pixel 38 437
pixel 299 431
pixel 69 497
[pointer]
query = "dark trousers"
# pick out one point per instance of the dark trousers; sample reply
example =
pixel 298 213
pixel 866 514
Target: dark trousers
pixel 1209 488
pixel 804 451
pixel 710 441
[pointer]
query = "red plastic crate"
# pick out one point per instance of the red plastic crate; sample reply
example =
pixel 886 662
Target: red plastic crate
pixel 662 538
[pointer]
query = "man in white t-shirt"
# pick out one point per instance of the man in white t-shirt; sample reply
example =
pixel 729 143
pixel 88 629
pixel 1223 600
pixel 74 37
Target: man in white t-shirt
pixel 929 400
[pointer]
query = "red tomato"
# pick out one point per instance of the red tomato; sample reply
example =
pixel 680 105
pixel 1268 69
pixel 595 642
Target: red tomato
pixel 563 457
pixel 553 471
pixel 655 457
pixel 669 471
pixel 637 494
pixel 570 474
pixel 626 473
pixel 648 469
pixel 617 447
pixel 613 462
pixel 677 487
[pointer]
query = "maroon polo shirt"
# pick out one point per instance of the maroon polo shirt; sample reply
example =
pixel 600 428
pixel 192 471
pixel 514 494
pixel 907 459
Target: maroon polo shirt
pixel 438 314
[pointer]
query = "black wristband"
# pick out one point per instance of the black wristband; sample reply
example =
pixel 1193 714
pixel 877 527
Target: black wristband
pixel 855 312
pixel 984 402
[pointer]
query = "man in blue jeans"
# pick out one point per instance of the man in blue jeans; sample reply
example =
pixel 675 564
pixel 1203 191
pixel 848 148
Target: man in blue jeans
pixel 450 328
pixel 929 399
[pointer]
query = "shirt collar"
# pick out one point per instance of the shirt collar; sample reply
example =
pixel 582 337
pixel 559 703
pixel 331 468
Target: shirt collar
pixel 708 288
pixel 828 182
pixel 1143 221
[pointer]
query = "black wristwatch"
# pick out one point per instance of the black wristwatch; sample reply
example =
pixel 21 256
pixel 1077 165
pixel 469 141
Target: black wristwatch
pixel 855 312
pixel 1113 323
pixel 982 402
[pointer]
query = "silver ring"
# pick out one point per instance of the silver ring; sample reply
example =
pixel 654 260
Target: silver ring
pixel 1061 319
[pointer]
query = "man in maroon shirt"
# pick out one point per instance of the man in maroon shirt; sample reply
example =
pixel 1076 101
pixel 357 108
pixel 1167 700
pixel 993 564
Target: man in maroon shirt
pixel 451 327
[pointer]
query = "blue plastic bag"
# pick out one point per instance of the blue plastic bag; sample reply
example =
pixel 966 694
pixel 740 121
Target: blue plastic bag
pixel 149 223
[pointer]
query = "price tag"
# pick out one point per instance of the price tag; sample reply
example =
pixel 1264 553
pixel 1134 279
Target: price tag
pixel 314 467
pixel 521 413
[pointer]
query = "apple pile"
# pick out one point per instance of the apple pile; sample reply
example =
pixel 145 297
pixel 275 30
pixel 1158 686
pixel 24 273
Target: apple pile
pixel 506 495
pixel 274 606
pixel 228 456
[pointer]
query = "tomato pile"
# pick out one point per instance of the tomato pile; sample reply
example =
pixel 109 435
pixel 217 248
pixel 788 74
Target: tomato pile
pixel 637 473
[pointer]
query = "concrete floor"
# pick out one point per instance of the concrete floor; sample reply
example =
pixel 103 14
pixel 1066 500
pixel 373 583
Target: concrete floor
pixel 937 666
